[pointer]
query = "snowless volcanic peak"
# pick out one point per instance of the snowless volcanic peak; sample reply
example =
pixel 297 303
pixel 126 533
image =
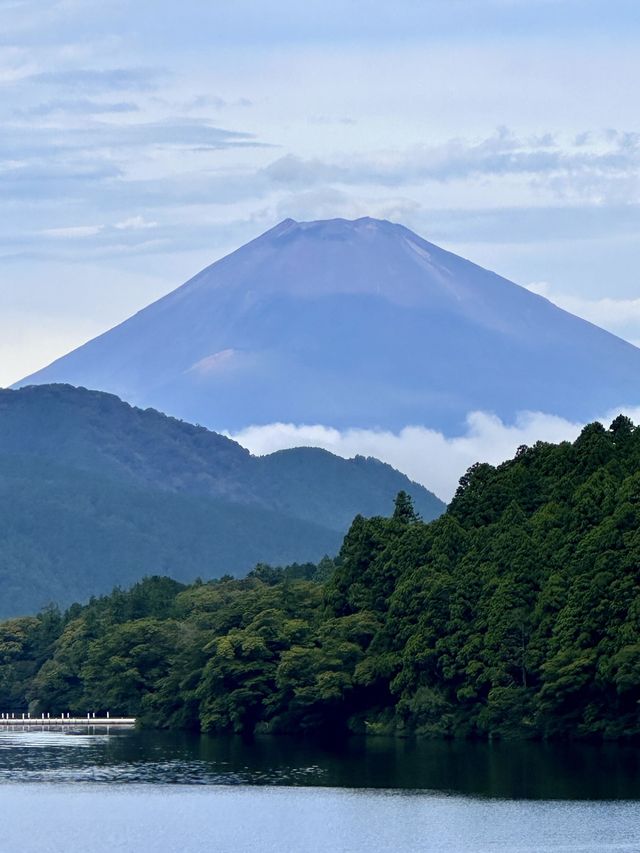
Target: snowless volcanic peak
pixel 353 323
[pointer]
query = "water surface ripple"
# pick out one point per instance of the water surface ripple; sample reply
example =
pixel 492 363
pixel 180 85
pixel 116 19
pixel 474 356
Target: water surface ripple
pixel 136 791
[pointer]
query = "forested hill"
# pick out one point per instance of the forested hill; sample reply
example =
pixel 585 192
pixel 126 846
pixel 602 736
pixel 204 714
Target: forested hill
pixel 100 434
pixel 515 614
pixel 95 493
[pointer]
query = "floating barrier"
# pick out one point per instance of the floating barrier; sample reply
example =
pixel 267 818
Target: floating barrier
pixel 14 720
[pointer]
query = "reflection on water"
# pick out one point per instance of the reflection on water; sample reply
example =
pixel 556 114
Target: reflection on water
pixel 192 794
pixel 501 770
pixel 50 738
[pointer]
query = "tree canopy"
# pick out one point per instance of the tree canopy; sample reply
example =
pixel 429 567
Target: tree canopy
pixel 515 614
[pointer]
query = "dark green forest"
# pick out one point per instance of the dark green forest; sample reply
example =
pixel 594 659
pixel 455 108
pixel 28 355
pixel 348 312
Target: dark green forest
pixel 96 493
pixel 516 614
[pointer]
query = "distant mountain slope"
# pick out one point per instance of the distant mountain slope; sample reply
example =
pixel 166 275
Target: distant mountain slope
pixel 94 493
pixel 66 535
pixel 353 324
pixel 97 432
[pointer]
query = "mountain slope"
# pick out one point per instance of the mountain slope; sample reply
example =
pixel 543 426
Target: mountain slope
pixel 353 324
pixel 94 493
pixel 98 433
pixel 68 534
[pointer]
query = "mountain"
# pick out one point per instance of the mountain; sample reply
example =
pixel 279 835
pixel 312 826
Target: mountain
pixel 94 493
pixel 353 323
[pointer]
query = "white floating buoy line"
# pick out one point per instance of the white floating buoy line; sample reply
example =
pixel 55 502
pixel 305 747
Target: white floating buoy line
pixel 10 719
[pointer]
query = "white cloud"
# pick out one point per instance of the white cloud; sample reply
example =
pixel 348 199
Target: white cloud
pixel 73 232
pixel 592 167
pixel 10 75
pixel 328 202
pixel 134 223
pixel 425 455
pixel 620 316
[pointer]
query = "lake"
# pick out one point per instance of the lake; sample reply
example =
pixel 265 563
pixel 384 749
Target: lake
pixel 177 793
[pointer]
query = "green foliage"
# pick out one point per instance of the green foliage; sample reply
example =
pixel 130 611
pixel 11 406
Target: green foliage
pixel 66 535
pixel 95 493
pixel 516 614
pixel 404 509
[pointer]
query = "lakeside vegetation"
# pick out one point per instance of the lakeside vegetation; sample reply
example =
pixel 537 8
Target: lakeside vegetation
pixel 515 614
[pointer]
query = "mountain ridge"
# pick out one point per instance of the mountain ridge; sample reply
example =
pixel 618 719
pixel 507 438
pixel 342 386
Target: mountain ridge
pixel 96 493
pixel 353 324
pixel 97 432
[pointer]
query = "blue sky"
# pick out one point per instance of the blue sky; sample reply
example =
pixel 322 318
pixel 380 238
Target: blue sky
pixel 141 141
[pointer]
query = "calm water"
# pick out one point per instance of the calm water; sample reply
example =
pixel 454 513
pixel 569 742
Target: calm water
pixel 139 792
